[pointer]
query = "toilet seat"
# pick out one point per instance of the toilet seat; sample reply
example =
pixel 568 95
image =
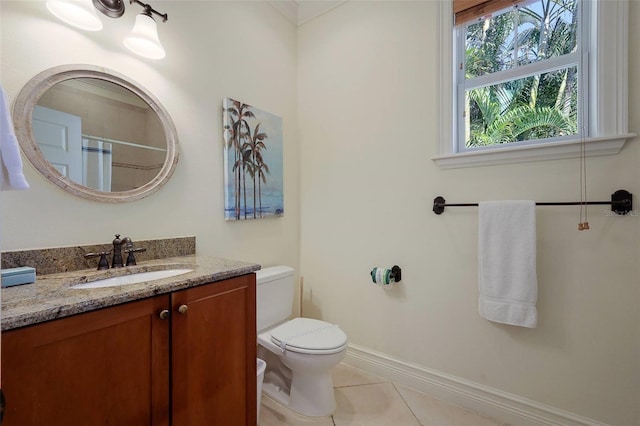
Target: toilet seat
pixel 309 336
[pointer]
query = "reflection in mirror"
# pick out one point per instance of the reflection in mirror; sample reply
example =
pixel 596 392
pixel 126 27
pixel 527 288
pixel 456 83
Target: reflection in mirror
pixel 113 140
pixel 95 133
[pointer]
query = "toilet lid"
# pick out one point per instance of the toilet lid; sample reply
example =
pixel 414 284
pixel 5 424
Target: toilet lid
pixel 306 335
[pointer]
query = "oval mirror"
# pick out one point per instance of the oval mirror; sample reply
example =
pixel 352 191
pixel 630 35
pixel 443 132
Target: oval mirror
pixel 95 133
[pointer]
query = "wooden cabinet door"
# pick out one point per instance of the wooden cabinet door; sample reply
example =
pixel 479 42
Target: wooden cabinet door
pixel 214 354
pixel 106 367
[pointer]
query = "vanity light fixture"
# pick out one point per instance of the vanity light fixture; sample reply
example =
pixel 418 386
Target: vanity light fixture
pixel 111 8
pixel 143 38
pixel 79 13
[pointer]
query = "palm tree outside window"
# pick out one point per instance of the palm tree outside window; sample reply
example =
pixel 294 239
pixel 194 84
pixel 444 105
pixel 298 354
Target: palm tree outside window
pixel 521 75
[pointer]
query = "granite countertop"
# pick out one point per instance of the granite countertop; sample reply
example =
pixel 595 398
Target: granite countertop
pixel 50 296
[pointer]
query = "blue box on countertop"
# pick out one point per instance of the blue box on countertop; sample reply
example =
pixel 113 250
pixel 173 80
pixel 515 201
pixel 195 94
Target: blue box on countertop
pixel 17 276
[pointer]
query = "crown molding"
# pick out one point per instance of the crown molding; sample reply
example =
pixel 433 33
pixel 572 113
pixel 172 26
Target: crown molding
pixel 302 11
pixel 288 9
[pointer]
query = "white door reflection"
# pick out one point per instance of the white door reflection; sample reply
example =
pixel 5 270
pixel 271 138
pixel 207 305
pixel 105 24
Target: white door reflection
pixel 58 136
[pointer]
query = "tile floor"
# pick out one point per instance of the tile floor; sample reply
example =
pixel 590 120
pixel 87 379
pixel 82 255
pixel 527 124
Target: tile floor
pixel 367 400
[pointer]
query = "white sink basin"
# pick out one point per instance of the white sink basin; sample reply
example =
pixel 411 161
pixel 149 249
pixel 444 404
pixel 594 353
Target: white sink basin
pixel 135 278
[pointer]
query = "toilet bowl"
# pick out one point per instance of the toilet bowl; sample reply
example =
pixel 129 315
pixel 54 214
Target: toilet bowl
pixel 300 353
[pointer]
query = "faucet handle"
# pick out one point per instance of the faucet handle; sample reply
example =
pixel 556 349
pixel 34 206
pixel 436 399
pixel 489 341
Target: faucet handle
pixel 131 259
pixel 103 263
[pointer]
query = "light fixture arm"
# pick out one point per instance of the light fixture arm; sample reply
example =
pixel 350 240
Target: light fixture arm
pixel 148 10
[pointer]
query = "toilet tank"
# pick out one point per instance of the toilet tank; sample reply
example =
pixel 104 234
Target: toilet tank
pixel 274 295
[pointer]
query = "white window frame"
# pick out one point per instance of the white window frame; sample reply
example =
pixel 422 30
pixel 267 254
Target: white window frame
pixel 607 95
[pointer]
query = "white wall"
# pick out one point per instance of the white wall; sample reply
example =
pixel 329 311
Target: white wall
pixel 245 50
pixel 367 90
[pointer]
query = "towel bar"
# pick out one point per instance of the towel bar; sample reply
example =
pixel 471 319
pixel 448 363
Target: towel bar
pixel 621 203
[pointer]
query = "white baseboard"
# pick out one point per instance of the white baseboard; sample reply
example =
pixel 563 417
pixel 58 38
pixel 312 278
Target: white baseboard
pixel 502 406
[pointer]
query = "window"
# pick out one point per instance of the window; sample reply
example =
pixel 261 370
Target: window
pixel 518 75
pixel 529 81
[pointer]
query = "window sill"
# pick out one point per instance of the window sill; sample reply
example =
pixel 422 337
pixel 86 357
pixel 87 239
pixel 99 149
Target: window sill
pixel 607 145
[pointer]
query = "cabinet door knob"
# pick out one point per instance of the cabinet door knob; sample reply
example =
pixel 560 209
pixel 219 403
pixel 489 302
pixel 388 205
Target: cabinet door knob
pixel 164 314
pixel 183 309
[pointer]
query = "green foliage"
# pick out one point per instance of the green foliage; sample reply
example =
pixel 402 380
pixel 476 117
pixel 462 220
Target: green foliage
pixel 536 107
pixel 525 123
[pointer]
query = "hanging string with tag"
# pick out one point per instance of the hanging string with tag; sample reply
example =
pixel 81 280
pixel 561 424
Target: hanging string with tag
pixel 583 224
pixel 582 119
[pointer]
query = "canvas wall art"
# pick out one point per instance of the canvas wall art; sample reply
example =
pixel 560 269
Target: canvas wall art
pixel 253 160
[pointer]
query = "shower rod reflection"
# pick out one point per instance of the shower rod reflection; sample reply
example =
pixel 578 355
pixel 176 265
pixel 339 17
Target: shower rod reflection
pixel 621 203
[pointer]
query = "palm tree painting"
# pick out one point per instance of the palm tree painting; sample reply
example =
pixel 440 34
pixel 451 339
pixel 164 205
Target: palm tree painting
pixel 253 157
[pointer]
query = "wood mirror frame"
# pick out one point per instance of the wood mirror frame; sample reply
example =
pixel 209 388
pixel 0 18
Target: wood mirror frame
pixel 23 115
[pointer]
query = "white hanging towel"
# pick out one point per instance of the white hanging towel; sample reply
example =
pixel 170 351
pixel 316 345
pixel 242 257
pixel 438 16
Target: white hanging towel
pixel 12 177
pixel 507 277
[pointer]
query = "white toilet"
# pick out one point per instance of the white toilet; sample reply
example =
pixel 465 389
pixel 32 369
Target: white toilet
pixel 300 353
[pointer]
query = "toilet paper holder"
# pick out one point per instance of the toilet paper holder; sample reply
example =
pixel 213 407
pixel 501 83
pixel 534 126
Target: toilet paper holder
pixel 385 276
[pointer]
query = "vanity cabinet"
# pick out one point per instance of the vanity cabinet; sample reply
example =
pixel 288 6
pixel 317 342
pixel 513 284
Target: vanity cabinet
pixel 103 367
pixel 213 354
pixel 184 358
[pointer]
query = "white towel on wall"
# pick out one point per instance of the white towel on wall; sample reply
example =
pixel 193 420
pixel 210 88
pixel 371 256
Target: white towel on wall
pixel 12 177
pixel 507 277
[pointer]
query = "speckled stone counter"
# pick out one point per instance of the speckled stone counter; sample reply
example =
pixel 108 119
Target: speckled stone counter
pixel 50 296
pixel 67 259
